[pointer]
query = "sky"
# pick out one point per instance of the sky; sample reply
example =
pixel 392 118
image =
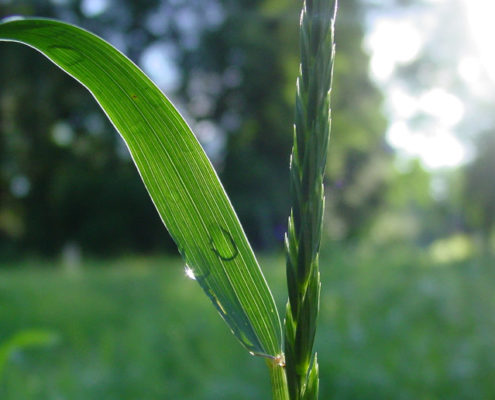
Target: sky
pixel 398 37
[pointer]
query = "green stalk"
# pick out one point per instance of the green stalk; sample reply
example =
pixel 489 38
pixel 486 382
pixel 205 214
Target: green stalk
pixel 278 379
pixel 308 159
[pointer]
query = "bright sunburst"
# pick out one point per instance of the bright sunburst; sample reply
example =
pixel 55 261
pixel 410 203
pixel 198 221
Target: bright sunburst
pixel 480 14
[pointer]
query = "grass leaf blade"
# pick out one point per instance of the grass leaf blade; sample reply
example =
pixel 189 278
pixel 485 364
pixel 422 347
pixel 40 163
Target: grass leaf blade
pixel 176 172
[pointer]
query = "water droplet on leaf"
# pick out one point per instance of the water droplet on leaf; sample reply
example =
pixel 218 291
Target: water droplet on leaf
pixel 222 243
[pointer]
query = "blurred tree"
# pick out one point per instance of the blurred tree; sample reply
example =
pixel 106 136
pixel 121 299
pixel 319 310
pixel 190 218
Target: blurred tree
pixel 65 175
pixel 247 66
pixel 253 57
pixel 231 66
pixel 359 162
pixel 479 190
pixel 408 204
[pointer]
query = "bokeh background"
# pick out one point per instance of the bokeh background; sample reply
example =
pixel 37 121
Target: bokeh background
pixel 94 302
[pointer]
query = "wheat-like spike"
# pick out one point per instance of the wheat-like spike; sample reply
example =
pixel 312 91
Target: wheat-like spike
pixel 307 165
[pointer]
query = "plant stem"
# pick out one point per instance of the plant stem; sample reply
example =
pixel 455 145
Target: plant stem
pixel 308 159
pixel 278 380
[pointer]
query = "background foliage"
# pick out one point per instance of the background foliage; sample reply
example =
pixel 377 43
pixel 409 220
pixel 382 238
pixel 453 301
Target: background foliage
pixel 417 332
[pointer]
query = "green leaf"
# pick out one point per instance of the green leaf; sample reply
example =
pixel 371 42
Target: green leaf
pixel 179 177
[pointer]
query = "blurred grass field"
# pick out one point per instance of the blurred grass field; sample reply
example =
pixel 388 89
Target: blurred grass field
pixel 393 326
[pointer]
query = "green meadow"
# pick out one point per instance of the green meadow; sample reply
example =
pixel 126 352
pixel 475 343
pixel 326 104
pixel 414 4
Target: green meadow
pixel 393 325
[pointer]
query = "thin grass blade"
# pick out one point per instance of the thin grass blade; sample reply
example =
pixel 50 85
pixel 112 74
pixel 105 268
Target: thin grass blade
pixel 176 172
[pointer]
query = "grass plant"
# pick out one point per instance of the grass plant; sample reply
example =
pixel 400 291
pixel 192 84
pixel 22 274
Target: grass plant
pixel 307 166
pixel 191 200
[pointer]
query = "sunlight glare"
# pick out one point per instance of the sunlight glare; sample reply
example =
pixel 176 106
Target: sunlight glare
pixel 436 150
pixel 391 43
pixel 470 69
pixel 401 103
pixel 480 23
pixel 442 105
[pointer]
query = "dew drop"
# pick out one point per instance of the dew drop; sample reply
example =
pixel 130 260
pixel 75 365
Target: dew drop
pixel 222 243
pixel 189 272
